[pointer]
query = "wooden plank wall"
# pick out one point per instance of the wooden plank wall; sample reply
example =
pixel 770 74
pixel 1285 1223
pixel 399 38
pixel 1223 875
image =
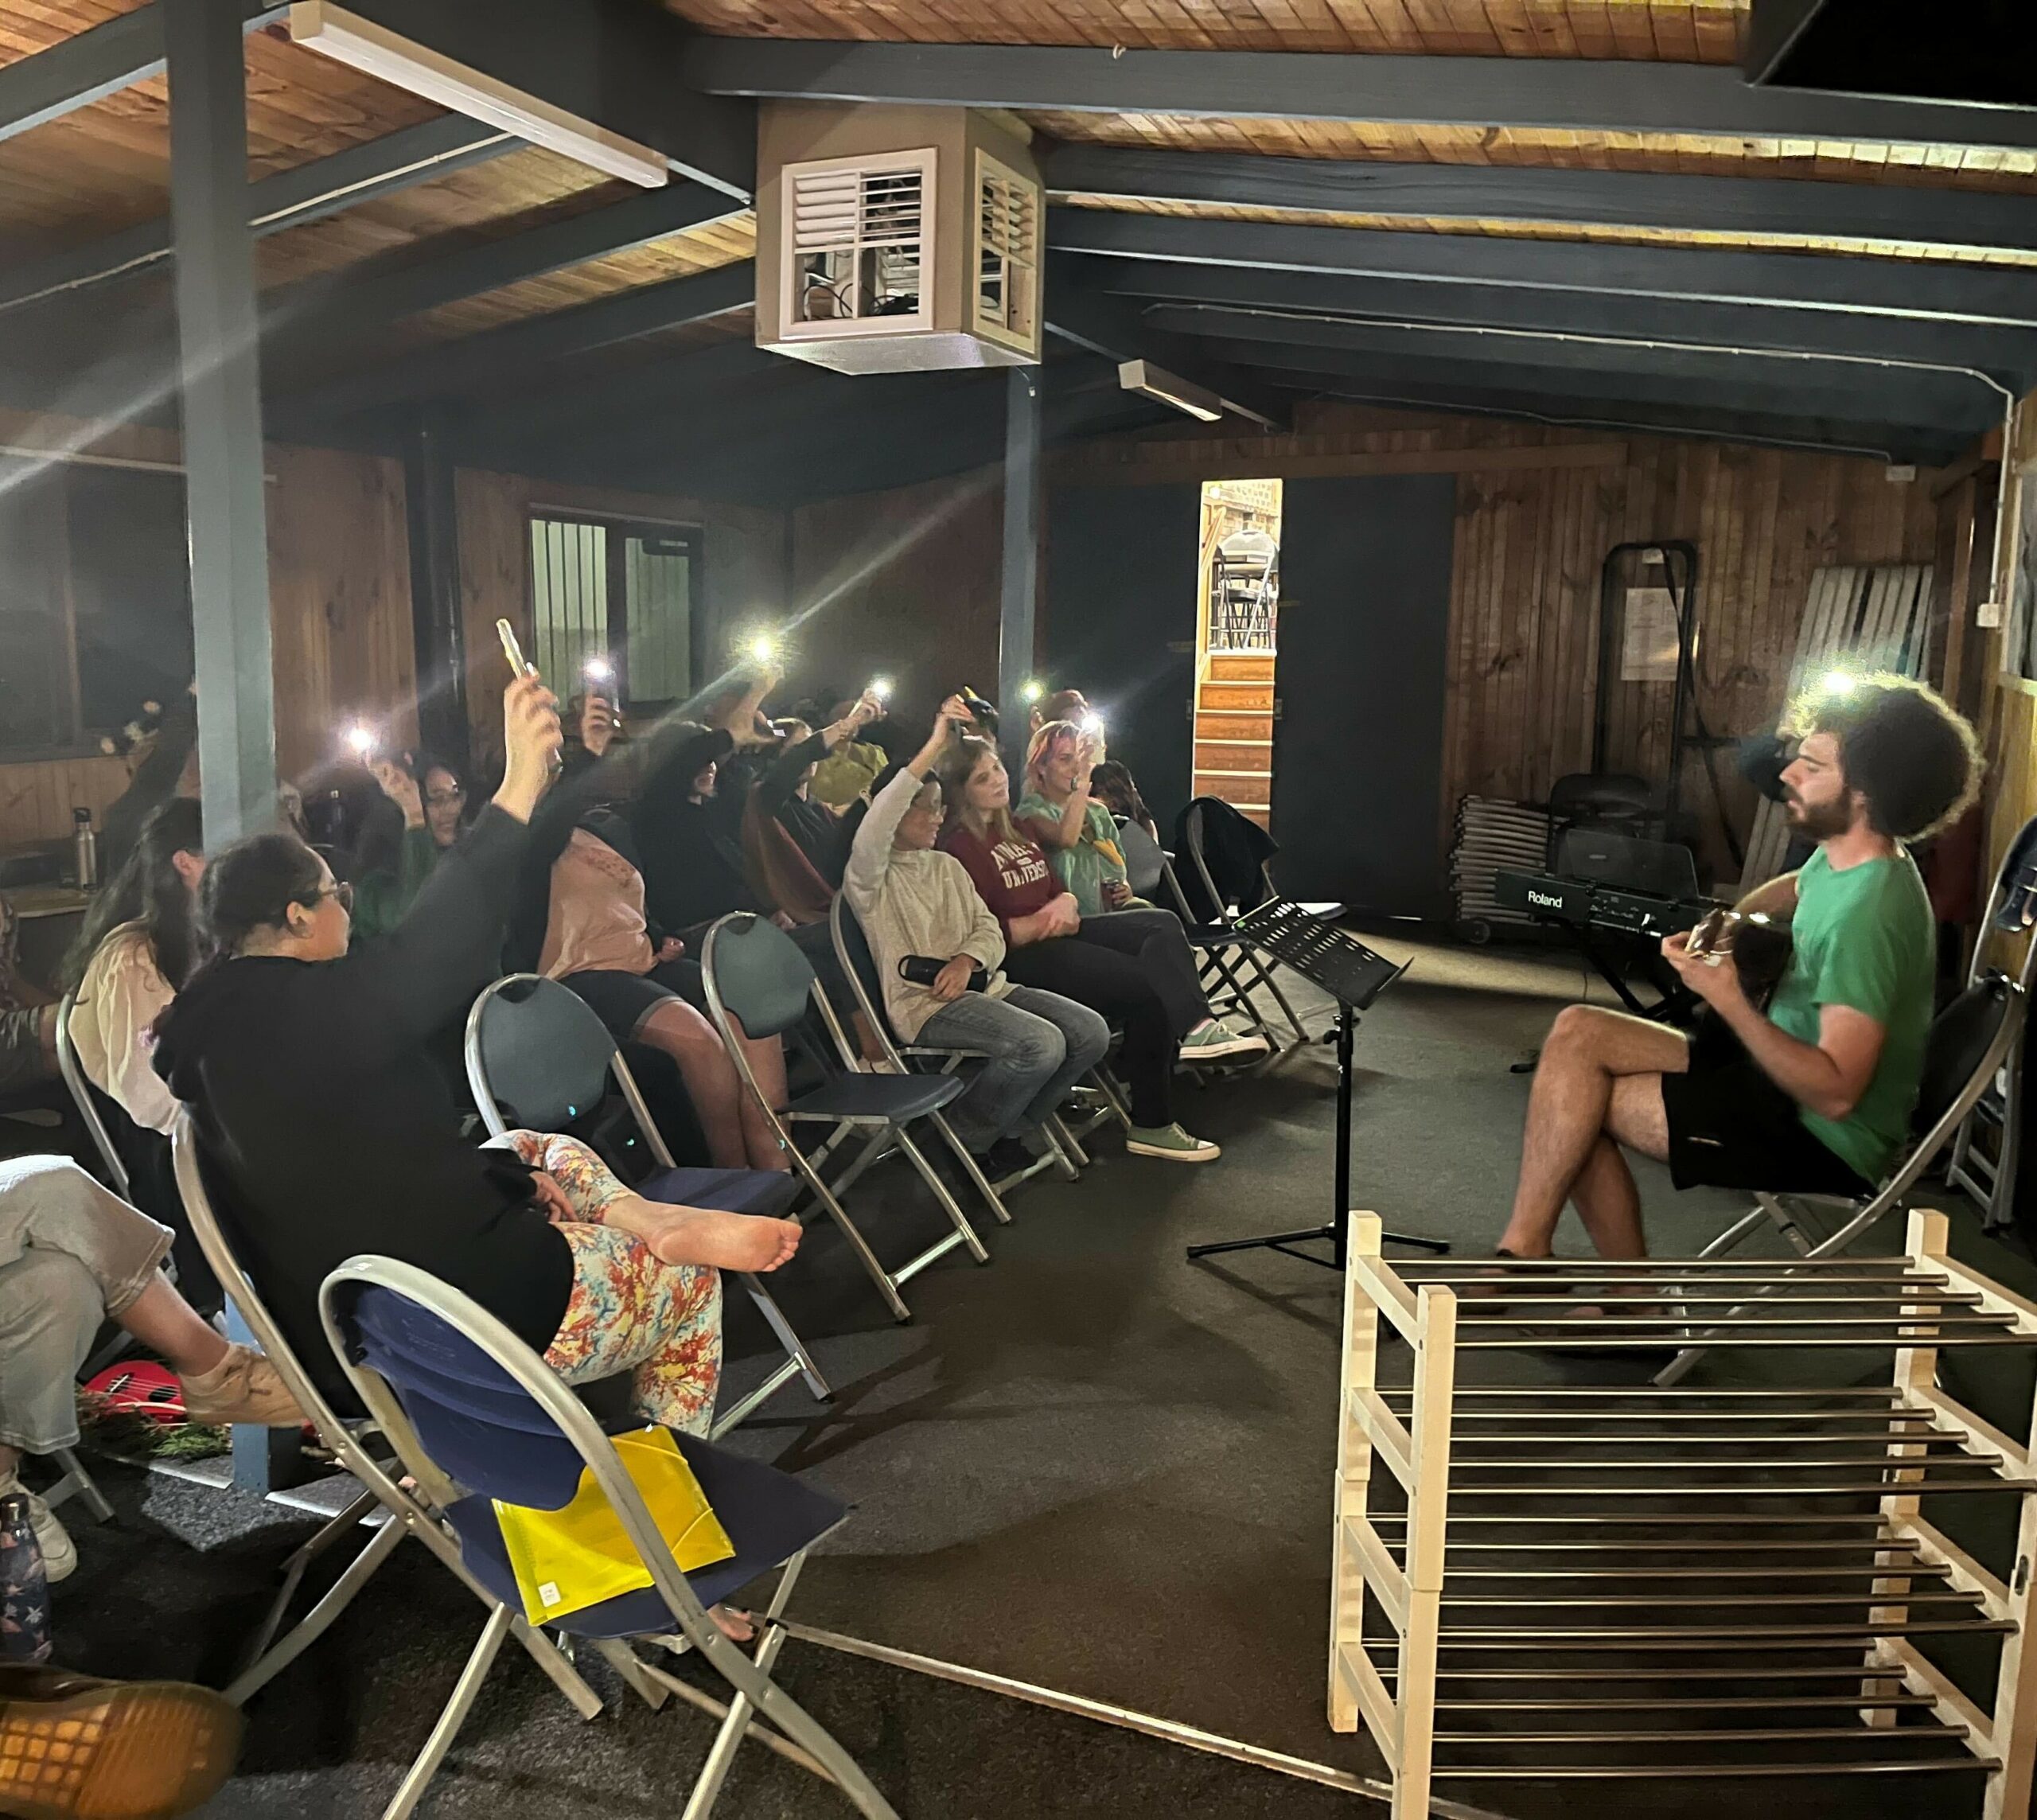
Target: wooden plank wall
pixel 903 584
pixel 744 564
pixel 1537 510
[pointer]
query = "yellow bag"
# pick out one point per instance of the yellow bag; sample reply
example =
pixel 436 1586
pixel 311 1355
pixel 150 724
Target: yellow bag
pixel 569 1559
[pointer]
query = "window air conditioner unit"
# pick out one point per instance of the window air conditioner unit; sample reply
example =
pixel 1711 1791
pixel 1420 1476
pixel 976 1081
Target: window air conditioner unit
pixel 916 255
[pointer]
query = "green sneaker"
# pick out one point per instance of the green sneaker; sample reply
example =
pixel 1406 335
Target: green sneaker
pixel 1171 1143
pixel 1218 1042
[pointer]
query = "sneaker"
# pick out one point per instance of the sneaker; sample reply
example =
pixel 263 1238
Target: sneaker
pixel 1217 1041
pixel 1171 1143
pixel 243 1387
pixel 59 1553
pixel 71 1746
pixel 1005 1158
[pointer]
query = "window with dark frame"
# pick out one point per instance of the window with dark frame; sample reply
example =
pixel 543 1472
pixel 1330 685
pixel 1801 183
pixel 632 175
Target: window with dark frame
pixel 95 601
pixel 619 591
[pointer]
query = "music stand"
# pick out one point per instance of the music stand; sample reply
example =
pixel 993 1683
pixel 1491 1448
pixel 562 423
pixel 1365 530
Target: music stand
pixel 1352 975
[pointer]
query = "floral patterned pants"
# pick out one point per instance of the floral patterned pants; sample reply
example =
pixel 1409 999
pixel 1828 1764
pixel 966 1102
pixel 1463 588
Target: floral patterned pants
pixel 661 1322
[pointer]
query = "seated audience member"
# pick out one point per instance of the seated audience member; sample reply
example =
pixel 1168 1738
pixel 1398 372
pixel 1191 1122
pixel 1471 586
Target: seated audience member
pixel 1814 1093
pixel 593 728
pixel 598 942
pixel 1078 833
pixel 1132 967
pixel 163 764
pixel 132 954
pixel 1112 784
pixel 73 1254
pixel 799 847
pixel 331 1133
pixel 432 798
pixel 1063 704
pixel 913 901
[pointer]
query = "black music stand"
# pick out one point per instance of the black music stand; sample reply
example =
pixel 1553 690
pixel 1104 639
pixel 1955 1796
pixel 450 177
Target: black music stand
pixel 1354 976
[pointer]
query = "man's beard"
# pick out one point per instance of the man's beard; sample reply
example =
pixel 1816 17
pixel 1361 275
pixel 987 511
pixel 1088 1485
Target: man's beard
pixel 1819 821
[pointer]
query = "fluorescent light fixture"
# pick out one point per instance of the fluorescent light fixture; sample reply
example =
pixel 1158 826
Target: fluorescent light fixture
pixel 1154 382
pixel 348 38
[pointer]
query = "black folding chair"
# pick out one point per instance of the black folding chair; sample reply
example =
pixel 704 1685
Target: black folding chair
pixel 758 979
pixel 1989 1174
pixel 535 1046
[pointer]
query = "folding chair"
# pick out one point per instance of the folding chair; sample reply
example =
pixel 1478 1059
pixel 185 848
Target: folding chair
pixel 535 1045
pixel 852 949
pixel 756 978
pixel 1969 1040
pixel 80 1090
pixel 476 1417
pixel 409 1512
pixel 1209 908
pixel 1990 1177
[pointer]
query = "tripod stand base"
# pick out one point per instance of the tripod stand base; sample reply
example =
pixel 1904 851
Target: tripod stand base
pixel 1286 1242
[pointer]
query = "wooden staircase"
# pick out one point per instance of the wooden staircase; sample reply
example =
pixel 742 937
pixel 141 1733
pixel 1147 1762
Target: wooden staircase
pixel 1234 733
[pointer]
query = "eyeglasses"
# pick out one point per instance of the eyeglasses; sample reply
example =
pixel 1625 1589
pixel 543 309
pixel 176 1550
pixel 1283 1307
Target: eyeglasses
pixel 340 889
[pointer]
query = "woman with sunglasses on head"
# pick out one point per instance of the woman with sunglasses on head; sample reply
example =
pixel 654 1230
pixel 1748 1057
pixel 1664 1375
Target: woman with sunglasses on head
pixel 330 1133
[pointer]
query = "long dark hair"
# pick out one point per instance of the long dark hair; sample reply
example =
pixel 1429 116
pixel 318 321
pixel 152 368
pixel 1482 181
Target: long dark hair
pixel 251 886
pixel 149 889
pixel 957 765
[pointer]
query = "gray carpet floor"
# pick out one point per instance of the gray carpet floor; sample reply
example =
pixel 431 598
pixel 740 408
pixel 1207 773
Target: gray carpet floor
pixel 1091 1466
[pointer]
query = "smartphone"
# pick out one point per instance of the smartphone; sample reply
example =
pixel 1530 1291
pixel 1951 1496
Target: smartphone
pixel 511 650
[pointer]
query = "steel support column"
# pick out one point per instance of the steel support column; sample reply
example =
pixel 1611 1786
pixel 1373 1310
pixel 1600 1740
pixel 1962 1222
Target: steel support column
pixel 217 319
pixel 1022 548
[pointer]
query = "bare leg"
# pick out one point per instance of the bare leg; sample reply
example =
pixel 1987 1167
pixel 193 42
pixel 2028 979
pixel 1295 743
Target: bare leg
pixel 11 1460
pixel 766 1055
pixel 164 1322
pixel 711 1078
pixel 1588 1049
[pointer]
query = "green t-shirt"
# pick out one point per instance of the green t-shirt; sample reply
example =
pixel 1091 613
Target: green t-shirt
pixel 1083 867
pixel 1864 937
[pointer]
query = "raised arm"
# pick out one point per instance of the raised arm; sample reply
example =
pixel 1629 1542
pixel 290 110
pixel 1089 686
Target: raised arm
pixel 1067 832
pixel 781 777
pixel 869 856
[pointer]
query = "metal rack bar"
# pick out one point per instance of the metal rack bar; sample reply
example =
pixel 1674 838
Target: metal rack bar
pixel 1732 1323
pixel 1729 1342
pixel 1774 1463
pixel 1850 1702
pixel 1792 1734
pixel 1875 1485
pixel 1518 1772
pixel 1567 1602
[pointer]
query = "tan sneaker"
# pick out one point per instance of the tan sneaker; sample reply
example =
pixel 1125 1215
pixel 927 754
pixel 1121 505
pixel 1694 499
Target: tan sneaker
pixel 243 1387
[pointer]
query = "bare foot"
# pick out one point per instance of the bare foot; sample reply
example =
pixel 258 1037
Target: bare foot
pixel 706 1235
pixel 736 1626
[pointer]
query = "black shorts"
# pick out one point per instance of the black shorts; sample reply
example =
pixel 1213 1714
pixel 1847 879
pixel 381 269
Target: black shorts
pixel 622 1001
pixel 1731 1127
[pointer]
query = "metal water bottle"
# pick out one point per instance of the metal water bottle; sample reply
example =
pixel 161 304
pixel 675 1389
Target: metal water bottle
pixel 84 845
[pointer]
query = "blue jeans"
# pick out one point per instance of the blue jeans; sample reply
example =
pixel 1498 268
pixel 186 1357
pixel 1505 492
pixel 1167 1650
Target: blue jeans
pixel 1037 1045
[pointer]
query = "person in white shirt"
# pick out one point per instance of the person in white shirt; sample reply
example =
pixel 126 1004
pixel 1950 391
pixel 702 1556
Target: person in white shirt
pixel 913 901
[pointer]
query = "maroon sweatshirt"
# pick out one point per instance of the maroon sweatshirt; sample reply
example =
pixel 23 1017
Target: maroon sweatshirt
pixel 1013 877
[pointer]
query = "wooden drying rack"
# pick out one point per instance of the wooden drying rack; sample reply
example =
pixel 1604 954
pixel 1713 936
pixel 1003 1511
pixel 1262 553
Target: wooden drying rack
pixel 1431 1544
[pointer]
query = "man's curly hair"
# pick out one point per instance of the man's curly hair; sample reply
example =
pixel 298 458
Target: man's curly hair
pixel 1902 745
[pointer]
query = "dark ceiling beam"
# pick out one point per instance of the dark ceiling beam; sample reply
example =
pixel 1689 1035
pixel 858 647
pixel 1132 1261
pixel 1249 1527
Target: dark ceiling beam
pixel 614 63
pixel 497 357
pixel 2009 354
pixel 1103 325
pixel 1840 435
pixel 1724 205
pixel 1560 92
pixel 1928 403
pixel 383 291
pixel 92 65
pixel 290 199
pixel 672 387
pixel 1774 30
pixel 1905 288
pixel 1718 366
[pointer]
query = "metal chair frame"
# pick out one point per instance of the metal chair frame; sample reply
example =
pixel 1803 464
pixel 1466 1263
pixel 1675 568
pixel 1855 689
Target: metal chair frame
pixel 73 1074
pixel 797 1362
pixel 882 1132
pixel 1790 1214
pixel 754 1692
pixel 1062 1152
pixel 410 1512
pixel 1992 1180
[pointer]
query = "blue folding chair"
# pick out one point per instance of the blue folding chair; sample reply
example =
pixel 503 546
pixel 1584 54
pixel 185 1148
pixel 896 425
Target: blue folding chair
pixel 354 1445
pixel 536 1046
pixel 477 1417
pixel 757 978
pixel 852 949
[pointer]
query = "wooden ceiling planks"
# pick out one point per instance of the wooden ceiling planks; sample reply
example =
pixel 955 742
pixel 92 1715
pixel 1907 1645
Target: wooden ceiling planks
pixel 1948 167
pixel 1620 235
pixel 1681 31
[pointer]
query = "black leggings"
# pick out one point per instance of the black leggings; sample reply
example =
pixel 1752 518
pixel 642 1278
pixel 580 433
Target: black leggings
pixel 1134 967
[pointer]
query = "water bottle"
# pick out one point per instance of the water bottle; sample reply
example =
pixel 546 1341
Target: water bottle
pixel 84 845
pixel 24 1586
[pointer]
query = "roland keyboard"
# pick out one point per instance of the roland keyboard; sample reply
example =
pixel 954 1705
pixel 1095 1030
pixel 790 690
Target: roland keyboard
pixel 1581 903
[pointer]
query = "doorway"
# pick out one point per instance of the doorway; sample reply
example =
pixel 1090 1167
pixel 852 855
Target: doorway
pixel 1236 631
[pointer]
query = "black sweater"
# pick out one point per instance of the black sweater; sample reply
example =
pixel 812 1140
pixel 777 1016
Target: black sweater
pixel 692 852
pixel 327 1131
